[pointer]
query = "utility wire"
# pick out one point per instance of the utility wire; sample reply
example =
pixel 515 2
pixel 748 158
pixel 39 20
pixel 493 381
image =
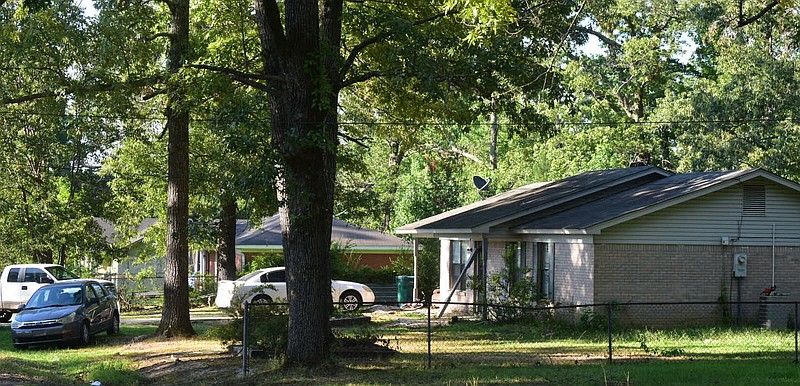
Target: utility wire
pixel 423 123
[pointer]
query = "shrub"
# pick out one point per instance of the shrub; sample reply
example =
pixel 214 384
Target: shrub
pixel 268 326
pixel 513 292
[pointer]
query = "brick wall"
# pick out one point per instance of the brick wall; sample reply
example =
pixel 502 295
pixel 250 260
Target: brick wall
pixel 691 273
pixel 574 273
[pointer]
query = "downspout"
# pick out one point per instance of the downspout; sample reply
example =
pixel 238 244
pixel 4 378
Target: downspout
pixel 416 253
pixel 484 274
pixel 773 255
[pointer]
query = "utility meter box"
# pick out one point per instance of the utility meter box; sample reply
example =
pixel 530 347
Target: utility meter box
pixel 739 265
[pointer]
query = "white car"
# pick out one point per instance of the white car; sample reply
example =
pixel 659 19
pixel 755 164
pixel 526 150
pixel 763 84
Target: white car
pixel 269 284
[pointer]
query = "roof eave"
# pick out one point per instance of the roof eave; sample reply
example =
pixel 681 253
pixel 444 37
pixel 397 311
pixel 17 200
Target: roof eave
pixel 553 232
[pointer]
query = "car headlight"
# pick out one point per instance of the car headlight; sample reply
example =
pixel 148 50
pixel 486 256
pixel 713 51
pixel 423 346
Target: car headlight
pixel 15 324
pixel 67 319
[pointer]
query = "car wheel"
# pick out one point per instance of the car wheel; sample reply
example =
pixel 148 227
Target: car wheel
pixel 114 328
pixel 261 299
pixel 84 337
pixel 351 300
pixel 5 316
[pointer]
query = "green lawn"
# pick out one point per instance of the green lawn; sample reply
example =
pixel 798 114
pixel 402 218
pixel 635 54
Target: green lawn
pixel 466 353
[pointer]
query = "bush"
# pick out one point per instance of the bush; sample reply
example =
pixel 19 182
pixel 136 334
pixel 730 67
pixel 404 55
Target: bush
pixel 268 328
pixel 203 288
pixel 512 291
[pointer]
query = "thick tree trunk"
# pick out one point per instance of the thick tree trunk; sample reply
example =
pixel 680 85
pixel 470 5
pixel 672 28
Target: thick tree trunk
pixel 226 253
pixel 302 48
pixel 305 189
pixel 175 313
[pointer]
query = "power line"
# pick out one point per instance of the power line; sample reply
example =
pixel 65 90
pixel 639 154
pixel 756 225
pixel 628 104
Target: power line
pixel 423 123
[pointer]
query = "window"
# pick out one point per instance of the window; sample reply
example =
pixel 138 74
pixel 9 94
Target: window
pixel 99 290
pixel 274 277
pixel 60 273
pixel 459 254
pixel 13 275
pixel 33 275
pixel 543 275
pixel 754 200
pixel 90 294
pixel 517 261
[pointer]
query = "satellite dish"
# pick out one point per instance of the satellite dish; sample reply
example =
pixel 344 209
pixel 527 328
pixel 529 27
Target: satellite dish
pixel 480 183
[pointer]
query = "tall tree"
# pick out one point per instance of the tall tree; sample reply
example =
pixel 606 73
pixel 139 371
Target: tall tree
pixel 304 70
pixel 175 313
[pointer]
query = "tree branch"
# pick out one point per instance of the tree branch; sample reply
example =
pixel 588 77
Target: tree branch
pixel 357 141
pixel 82 88
pixel 351 58
pixel 243 77
pixel 611 43
pixel 361 78
pixel 158 35
pixel 270 32
pixel 760 14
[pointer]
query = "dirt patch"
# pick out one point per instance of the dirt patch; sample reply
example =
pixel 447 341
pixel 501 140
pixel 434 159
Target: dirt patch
pixel 183 361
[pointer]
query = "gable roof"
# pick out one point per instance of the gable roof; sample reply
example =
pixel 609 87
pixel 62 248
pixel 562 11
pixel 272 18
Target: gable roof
pixel 268 235
pixel 585 203
pixel 530 199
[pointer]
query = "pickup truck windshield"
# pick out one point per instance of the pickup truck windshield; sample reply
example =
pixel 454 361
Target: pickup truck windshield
pixel 60 273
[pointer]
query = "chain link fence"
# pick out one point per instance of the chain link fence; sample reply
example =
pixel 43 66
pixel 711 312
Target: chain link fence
pixel 474 335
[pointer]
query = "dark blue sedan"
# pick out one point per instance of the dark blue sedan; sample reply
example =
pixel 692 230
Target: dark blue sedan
pixel 66 312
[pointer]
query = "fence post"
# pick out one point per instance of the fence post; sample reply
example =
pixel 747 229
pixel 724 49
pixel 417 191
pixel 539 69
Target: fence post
pixel 796 353
pixel 245 333
pixel 610 349
pixel 430 304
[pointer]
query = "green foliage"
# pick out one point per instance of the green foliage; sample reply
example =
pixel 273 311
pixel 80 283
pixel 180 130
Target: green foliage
pixel 268 328
pixel 346 265
pixel 264 260
pixel 511 292
pixel 203 288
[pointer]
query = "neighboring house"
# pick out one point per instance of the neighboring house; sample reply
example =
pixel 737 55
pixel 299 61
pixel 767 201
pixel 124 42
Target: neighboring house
pixel 367 246
pixel 638 234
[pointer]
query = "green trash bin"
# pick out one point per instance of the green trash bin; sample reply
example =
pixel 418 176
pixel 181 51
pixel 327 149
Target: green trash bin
pixel 405 289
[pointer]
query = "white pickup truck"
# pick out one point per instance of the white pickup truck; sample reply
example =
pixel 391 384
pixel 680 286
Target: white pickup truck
pixel 19 281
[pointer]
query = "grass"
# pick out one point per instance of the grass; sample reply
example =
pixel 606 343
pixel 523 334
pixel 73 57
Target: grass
pixel 464 353
pixel 68 365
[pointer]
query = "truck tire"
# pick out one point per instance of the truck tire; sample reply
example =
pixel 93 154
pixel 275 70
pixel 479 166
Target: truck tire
pixel 5 316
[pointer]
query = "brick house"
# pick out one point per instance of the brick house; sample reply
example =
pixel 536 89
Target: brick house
pixel 639 234
pixel 367 247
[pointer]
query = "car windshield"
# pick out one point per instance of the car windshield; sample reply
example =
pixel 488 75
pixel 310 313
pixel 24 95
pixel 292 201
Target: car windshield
pixel 55 296
pixel 60 273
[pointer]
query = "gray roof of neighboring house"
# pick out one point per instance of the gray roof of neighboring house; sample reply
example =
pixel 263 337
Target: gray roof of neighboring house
pixel 269 234
pixel 582 201
pixel 342 232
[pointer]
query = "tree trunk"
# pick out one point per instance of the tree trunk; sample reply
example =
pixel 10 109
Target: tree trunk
pixel 395 160
pixel 175 313
pixel 226 252
pixel 302 48
pixel 305 189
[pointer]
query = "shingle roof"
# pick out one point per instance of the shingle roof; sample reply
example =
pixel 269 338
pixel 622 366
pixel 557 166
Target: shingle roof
pixel 586 202
pixel 533 198
pixel 346 234
pixel 627 201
